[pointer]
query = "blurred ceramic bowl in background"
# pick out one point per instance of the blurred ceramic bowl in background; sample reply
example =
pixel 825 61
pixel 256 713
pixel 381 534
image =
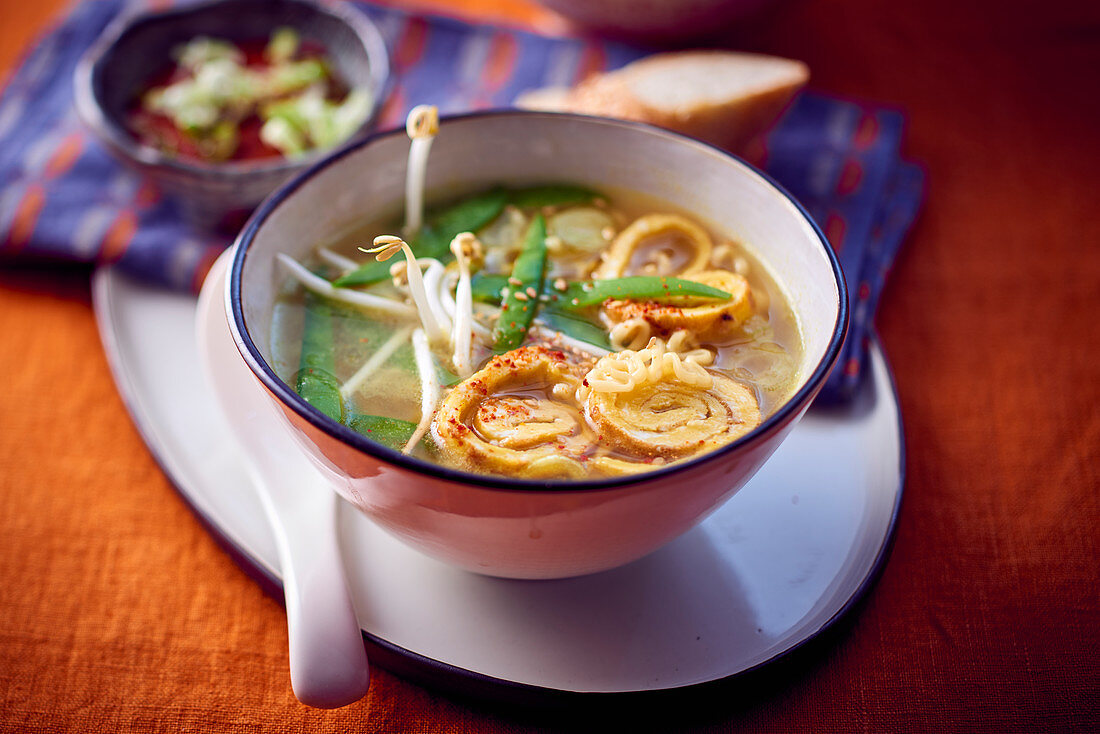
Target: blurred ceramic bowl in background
pixel 655 21
pixel 136 48
pixel 515 527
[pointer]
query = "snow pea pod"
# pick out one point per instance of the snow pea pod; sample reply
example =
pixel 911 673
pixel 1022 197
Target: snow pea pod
pixel 434 239
pixel 392 432
pixel 316 379
pixel 581 294
pixel 518 307
pixel 487 288
pixel 573 326
pixel 551 195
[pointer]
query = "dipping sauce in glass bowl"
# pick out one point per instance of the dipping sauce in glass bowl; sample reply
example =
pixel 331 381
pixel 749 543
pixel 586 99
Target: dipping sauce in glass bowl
pixel 182 95
pixel 223 101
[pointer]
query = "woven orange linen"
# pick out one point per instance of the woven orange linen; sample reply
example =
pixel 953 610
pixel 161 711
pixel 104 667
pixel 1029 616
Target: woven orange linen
pixel 118 612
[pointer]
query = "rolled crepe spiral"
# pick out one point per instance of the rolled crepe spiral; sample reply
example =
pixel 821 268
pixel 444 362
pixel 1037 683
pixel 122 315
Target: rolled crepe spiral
pixel 654 403
pixel 708 321
pixel 517 416
pixel 617 260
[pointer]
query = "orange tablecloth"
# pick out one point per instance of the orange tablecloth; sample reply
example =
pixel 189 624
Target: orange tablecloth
pixel 119 613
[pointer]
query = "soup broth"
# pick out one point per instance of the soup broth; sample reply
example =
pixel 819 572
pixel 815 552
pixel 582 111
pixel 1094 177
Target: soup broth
pixel 576 335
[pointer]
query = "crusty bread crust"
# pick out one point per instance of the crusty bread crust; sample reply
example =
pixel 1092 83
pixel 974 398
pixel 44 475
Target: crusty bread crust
pixel 723 97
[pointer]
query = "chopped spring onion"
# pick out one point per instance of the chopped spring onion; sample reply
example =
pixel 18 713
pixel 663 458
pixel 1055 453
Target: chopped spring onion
pixel 282 46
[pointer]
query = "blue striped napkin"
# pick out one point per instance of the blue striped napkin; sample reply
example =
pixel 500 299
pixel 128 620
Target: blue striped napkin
pixel 63 197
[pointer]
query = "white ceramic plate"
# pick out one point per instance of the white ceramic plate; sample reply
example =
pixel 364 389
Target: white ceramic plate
pixel 785 558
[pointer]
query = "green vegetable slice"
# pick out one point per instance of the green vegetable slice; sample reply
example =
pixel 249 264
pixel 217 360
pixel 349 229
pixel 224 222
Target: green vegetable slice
pixel 446 377
pixel 576 327
pixel 486 288
pixel 469 215
pixel 581 294
pixel 552 195
pixel 316 379
pixel 434 239
pixel 392 432
pixel 282 46
pixel 519 306
pixel 580 228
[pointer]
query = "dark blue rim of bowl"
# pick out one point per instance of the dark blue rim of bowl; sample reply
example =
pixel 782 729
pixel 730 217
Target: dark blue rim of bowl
pixel 91 111
pixel 325 424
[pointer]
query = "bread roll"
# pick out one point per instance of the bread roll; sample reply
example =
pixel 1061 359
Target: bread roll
pixel 723 97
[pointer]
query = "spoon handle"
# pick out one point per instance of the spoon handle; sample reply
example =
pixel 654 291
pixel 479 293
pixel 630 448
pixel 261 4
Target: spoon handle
pixel 325 671
pixel 328 661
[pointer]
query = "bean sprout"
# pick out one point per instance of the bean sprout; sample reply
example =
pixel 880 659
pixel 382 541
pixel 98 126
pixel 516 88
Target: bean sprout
pixel 388 245
pixel 336 259
pixel 376 360
pixel 429 387
pixel 464 246
pixel 322 287
pixel 422 125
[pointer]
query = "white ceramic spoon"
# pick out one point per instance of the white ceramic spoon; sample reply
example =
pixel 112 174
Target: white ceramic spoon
pixel 328 661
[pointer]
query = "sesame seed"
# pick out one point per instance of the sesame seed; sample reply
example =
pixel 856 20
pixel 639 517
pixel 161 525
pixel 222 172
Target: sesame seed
pixel 531 292
pixel 560 284
pixel 521 296
pixel 513 280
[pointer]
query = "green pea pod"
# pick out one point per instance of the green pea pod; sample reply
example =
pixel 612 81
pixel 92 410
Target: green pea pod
pixel 581 294
pixel 316 379
pixel 392 432
pixel 434 239
pixel 469 215
pixel 572 325
pixel 446 377
pixel 552 195
pixel 486 288
pixel 519 306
